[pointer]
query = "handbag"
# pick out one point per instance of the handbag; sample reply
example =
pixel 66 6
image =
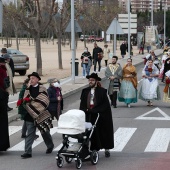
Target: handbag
pixel 100 56
pixel 6 82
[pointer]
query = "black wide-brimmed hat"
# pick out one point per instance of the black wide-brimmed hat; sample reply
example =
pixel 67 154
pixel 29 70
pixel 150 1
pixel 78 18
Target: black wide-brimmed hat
pixel 95 76
pixel 35 74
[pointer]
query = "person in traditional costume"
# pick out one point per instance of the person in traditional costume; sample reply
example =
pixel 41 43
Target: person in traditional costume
pixel 128 89
pixel 149 90
pixel 114 74
pixel 166 97
pixel 166 65
pixel 56 99
pixel 36 101
pixel 94 100
pixel 164 57
pixel 4 132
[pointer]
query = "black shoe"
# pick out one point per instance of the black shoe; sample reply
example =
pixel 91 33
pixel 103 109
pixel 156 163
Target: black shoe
pixel 26 155
pixel 9 109
pixel 49 150
pixel 23 136
pixel 107 154
pixel 114 106
pixel 36 137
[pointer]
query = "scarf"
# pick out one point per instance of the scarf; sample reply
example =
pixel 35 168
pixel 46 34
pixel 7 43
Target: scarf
pixel 37 109
pixel 130 70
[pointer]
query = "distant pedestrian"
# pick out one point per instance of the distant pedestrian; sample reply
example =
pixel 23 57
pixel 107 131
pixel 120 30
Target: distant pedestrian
pixel 114 74
pixel 106 52
pixel 123 49
pixel 149 90
pixel 10 72
pixel 94 100
pixel 166 65
pixel 97 57
pixel 4 132
pixel 128 89
pixel 56 99
pixel 36 102
pixel 86 59
pixel 141 49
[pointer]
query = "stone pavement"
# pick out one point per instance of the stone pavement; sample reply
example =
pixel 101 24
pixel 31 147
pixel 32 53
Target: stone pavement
pixel 68 88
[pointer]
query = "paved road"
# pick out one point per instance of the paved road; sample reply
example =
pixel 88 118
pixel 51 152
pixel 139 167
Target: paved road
pixel 142 136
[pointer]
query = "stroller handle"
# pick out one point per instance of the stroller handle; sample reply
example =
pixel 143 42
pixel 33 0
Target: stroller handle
pixel 97 119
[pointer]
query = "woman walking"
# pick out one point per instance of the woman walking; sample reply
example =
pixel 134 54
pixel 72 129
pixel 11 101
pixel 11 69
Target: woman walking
pixel 150 88
pixel 128 89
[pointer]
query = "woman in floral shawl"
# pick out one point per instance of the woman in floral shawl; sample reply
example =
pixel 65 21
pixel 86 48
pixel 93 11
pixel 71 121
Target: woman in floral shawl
pixel 150 88
pixel 166 97
pixel 128 89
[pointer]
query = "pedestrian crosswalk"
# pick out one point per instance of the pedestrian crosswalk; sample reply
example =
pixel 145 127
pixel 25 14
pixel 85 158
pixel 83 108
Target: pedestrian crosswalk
pixel 158 141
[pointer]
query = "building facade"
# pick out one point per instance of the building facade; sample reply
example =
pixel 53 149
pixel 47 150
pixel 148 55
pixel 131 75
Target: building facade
pixel 143 5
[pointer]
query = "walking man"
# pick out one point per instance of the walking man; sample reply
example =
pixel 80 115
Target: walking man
pixel 37 115
pixel 114 74
pixel 97 56
pixel 94 100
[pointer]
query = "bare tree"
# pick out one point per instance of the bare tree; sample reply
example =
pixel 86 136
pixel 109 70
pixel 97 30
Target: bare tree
pixel 34 16
pixel 60 21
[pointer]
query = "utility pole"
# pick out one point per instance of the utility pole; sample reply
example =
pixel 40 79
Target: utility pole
pixel 129 43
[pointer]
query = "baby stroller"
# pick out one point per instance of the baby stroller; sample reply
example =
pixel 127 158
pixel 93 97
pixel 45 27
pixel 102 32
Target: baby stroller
pixel 73 126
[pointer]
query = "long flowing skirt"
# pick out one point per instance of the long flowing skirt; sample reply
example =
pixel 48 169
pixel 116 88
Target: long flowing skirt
pixel 128 93
pixel 149 90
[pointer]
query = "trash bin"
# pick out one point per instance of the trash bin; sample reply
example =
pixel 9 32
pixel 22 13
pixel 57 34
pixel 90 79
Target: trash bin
pixel 76 66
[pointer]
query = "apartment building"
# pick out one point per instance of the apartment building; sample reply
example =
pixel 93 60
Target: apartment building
pixel 143 5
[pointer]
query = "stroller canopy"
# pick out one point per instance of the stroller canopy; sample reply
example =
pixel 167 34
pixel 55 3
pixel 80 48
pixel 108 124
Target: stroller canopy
pixel 72 122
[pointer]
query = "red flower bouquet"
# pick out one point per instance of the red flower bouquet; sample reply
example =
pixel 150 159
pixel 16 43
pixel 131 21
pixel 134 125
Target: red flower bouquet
pixel 150 70
pixel 23 101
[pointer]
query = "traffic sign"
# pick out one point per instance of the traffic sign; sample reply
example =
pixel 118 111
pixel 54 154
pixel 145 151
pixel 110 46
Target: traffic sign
pixel 115 28
pixel 77 27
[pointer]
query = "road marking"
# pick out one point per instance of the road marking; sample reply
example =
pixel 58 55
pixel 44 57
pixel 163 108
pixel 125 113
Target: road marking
pixel 122 137
pixel 143 117
pixel 14 129
pixel 159 141
pixel 20 146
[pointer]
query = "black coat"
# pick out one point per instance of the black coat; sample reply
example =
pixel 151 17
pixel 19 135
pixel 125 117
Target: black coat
pixel 103 135
pixel 96 50
pixel 52 108
pixel 123 49
pixel 166 67
pixel 4 141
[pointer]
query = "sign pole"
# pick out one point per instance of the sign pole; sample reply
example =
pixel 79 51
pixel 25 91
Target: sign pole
pixel 72 42
pixel 115 33
pixel 129 43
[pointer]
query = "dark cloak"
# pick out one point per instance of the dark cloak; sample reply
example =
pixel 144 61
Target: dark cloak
pixel 102 137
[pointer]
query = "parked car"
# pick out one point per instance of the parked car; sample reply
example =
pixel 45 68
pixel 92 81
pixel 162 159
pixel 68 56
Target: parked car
pixel 84 37
pixel 95 38
pixel 21 61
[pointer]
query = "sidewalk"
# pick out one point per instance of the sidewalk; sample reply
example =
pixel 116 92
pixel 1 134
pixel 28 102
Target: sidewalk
pixel 68 88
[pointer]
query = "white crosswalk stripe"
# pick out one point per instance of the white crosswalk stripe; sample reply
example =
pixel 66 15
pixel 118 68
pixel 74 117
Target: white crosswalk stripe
pixel 14 129
pixel 158 142
pixel 20 146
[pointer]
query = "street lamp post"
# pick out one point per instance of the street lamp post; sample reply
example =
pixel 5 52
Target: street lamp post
pixel 129 43
pixel 73 41
pixel 151 12
pixel 164 22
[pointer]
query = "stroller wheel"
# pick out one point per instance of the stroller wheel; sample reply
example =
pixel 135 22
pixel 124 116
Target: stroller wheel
pixel 94 157
pixel 60 162
pixel 78 163
pixel 68 159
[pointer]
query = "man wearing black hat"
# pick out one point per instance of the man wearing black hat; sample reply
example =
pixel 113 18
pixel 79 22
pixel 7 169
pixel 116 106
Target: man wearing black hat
pixel 4 141
pixel 37 115
pixel 94 100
